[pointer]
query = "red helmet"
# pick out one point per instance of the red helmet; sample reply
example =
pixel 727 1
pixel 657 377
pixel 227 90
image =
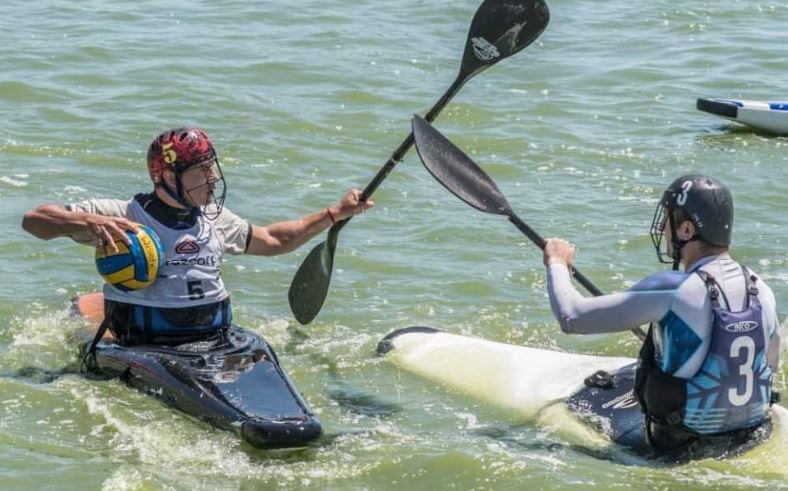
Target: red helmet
pixel 178 149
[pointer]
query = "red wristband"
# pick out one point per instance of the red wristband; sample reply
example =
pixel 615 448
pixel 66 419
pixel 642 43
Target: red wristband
pixel 331 216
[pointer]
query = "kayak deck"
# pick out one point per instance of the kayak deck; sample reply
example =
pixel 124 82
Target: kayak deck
pixel 232 381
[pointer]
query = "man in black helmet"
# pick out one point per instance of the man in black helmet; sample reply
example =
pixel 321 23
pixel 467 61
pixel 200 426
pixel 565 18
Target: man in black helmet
pixel 706 366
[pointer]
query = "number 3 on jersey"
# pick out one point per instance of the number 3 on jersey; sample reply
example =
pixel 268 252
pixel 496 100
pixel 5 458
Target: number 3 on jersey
pixel 743 343
pixel 195 290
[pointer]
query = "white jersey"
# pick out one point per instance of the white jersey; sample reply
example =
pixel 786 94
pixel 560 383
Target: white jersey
pixel 191 269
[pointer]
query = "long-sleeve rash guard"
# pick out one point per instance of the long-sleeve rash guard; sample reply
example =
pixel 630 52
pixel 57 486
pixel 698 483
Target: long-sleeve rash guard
pixel 675 303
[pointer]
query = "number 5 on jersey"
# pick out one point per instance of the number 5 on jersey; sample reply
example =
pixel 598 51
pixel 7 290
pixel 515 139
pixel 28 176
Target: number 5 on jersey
pixel 195 290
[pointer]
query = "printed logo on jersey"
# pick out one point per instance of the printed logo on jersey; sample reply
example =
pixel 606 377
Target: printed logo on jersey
pixel 187 246
pixel 741 326
pixel 189 250
pixel 483 49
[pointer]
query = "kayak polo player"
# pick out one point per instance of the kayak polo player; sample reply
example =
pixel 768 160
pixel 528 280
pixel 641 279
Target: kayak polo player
pixel 706 367
pixel 188 301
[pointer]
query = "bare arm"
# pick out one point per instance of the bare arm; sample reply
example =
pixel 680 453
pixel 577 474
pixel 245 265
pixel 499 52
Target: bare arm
pixel 287 236
pixel 50 221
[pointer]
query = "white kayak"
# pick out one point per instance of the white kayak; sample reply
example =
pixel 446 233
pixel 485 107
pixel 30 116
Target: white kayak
pixel 527 382
pixel 763 115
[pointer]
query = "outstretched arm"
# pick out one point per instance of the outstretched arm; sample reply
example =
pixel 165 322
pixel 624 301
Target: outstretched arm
pixel 609 313
pixel 592 315
pixel 287 236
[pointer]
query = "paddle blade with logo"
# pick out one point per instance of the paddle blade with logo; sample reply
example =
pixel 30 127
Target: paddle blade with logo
pixel 500 29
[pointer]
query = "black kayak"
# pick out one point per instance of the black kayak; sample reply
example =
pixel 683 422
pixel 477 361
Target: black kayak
pixel 232 381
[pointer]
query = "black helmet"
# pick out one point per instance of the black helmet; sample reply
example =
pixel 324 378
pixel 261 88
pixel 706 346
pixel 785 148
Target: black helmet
pixel 703 200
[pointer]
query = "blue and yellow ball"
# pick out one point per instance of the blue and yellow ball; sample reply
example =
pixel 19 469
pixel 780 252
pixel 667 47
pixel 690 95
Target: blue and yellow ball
pixel 132 267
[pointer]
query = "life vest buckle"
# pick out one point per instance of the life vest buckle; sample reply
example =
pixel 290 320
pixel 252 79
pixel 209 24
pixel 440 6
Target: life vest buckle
pixel 674 418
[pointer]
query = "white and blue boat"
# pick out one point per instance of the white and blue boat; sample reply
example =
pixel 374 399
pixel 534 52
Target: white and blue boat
pixel 771 117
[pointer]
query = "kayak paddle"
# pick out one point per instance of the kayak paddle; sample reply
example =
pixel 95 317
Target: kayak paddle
pixel 499 29
pixel 459 174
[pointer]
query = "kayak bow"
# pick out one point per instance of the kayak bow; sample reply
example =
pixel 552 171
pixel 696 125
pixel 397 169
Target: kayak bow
pixel 767 116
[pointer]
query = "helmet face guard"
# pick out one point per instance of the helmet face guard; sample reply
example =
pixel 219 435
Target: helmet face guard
pixel 700 199
pixel 664 216
pixel 213 176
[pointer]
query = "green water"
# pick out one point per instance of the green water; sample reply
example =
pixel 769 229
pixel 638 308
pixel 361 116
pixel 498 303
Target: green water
pixel 581 130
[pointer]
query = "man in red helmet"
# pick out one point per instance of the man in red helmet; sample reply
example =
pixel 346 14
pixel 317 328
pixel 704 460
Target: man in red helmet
pixel 188 301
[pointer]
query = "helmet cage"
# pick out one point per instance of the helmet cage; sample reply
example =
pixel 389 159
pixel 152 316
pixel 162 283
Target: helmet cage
pixel 213 175
pixel 657 233
pixel 668 213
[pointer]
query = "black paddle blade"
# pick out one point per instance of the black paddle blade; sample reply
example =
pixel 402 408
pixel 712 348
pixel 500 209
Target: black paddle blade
pixel 309 287
pixel 456 171
pixel 500 29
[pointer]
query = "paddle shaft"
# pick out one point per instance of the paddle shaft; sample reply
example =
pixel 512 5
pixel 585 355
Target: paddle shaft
pixel 499 29
pixel 403 148
pixel 541 243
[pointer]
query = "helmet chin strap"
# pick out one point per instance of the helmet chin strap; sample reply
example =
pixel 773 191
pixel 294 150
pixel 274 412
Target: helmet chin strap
pixel 177 193
pixel 677 244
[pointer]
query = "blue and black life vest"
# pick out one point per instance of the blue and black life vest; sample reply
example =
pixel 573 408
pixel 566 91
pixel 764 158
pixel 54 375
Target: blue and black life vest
pixel 139 324
pixel 731 391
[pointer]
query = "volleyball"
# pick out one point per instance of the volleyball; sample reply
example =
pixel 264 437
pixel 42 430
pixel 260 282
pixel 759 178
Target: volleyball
pixel 134 266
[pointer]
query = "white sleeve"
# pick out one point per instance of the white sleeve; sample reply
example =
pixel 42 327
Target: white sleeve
pixel 234 230
pixel 607 313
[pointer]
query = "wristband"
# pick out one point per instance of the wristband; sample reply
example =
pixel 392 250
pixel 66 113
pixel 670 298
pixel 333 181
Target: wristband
pixel 331 216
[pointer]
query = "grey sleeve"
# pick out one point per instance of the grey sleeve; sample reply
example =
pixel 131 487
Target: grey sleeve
pixel 235 231
pixel 774 351
pixel 106 207
pixel 608 313
pixel 772 320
